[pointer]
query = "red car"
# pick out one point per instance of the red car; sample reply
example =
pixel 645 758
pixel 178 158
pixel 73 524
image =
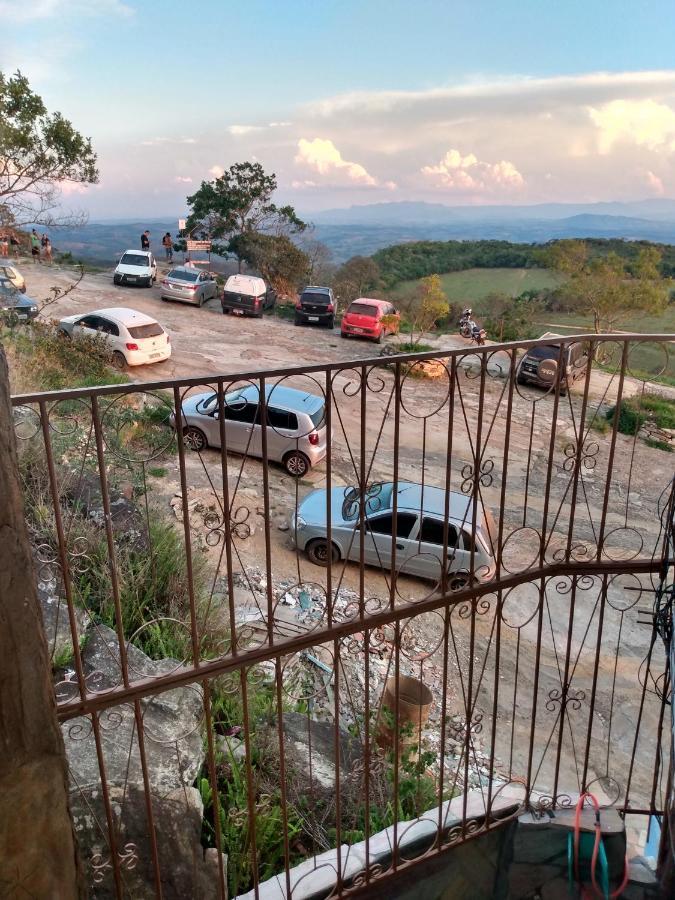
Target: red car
pixel 373 319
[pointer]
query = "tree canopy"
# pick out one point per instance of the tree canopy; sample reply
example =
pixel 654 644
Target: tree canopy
pixel 280 262
pixel 355 278
pixel 239 202
pixel 608 289
pixel 423 306
pixel 39 151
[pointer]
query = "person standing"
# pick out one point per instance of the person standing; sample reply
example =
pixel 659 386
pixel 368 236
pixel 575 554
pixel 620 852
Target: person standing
pixel 48 249
pixel 15 244
pixel 145 240
pixel 4 245
pixel 35 245
pixel 167 241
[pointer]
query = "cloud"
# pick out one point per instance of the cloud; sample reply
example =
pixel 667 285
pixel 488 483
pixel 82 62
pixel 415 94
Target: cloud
pixel 183 179
pixel 239 130
pixel 655 183
pixel 216 171
pixel 646 123
pixel 468 174
pixel 157 141
pixel 322 156
pixel 19 11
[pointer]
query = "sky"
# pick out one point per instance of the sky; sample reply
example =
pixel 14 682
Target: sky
pixel 358 101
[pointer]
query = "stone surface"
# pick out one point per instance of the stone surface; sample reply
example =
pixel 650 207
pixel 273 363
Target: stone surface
pixel 170 724
pixel 126 518
pixel 299 730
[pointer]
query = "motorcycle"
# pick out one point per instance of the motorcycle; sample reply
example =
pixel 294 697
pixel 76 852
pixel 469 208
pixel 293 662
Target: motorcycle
pixel 469 329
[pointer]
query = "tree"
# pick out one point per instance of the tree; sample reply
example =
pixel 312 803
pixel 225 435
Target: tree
pixel 511 318
pixel 320 268
pixel 281 263
pixel 355 278
pixel 423 307
pixel 38 851
pixel 239 202
pixel 605 288
pixel 39 151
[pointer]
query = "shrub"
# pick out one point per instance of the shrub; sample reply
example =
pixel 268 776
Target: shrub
pixel 635 412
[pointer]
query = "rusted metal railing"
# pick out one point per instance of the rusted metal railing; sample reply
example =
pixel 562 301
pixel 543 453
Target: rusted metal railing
pixel 220 689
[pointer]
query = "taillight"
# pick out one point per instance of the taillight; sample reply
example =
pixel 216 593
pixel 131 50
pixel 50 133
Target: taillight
pixel 314 438
pixel 329 308
pixel 257 301
pixel 131 346
pixel 165 282
pixel 298 305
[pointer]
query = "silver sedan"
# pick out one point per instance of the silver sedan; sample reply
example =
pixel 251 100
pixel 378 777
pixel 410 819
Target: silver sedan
pixel 189 285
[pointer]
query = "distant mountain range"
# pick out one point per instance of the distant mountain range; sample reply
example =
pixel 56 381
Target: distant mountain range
pixel 365 229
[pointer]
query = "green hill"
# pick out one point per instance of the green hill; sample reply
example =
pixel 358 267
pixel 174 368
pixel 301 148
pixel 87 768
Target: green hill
pixel 471 285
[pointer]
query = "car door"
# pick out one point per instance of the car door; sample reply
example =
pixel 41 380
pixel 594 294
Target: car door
pixel 242 429
pixel 378 539
pixel 283 431
pixel 112 333
pixel 429 561
pixel 212 287
pixel 87 326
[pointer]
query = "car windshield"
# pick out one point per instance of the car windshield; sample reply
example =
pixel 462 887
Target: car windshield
pixel 153 329
pixel 183 275
pixel 135 259
pixel 319 417
pixel 547 351
pixel 7 288
pixel 363 309
pixel 318 299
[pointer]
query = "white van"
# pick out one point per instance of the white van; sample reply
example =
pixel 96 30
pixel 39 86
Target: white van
pixel 134 338
pixel 136 267
pixel 246 295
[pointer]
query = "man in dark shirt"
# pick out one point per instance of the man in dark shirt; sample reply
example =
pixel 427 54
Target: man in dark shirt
pixel 145 240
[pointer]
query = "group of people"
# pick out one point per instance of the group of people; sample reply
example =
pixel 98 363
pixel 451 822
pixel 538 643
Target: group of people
pixel 167 243
pixel 40 246
pixel 9 242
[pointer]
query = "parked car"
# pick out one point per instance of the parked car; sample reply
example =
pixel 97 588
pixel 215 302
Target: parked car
pixel 9 271
pixel 373 319
pixel 189 284
pixel 246 295
pixel 134 338
pixel 296 426
pixel 14 306
pixel 420 530
pixel 540 365
pixel 136 267
pixel 316 306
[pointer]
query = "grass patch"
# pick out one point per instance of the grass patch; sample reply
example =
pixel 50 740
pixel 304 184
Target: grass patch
pixel 657 444
pixel 157 472
pixel 635 412
pixel 471 286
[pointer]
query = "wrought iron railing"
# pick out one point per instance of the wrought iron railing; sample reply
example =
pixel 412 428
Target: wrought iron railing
pixel 459 627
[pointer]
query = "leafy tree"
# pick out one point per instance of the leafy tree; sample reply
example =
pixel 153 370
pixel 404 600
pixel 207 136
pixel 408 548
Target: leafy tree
pixel 281 263
pixel 511 318
pixel 356 278
pixel 237 203
pixel 604 288
pixel 423 307
pixel 39 151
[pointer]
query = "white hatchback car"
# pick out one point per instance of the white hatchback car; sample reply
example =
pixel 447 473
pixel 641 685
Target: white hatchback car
pixel 134 338
pixel 136 267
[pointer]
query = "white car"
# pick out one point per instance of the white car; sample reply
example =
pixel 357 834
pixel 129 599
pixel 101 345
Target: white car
pixel 136 267
pixel 9 271
pixel 134 338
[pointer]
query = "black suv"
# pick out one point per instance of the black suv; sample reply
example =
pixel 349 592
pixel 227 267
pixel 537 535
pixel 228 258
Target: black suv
pixel 540 364
pixel 316 306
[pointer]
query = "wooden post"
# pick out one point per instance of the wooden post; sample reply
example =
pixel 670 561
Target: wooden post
pixel 38 850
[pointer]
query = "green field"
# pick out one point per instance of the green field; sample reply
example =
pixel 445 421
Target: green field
pixel 472 285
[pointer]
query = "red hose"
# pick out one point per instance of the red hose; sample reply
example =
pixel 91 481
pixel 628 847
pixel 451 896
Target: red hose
pixel 596 848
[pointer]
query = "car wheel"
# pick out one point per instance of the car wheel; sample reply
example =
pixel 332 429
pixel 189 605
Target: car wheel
pixel 201 301
pixel 149 284
pixel 319 552
pixel 296 464
pixel 225 311
pixel 194 439
pixel 64 334
pixel 457 582
pixel 380 337
pixel 118 360
pixel 297 322
pixel 331 323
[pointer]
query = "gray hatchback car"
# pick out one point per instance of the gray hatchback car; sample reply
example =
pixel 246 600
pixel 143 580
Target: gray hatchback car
pixel 296 426
pixel 420 531
pixel 189 285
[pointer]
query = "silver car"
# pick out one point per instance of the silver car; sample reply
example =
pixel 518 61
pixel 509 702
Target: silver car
pixel 189 285
pixel 296 427
pixel 421 527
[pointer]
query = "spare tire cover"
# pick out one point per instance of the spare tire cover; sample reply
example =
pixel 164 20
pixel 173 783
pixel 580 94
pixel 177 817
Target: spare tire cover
pixel 548 369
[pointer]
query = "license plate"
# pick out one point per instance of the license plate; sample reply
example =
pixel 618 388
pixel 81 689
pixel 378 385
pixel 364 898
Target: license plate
pixel 359 330
pixel 238 312
pixel 131 278
pixel 22 315
pixel 155 355
pixel 312 318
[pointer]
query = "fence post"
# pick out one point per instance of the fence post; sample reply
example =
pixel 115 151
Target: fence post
pixel 38 850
